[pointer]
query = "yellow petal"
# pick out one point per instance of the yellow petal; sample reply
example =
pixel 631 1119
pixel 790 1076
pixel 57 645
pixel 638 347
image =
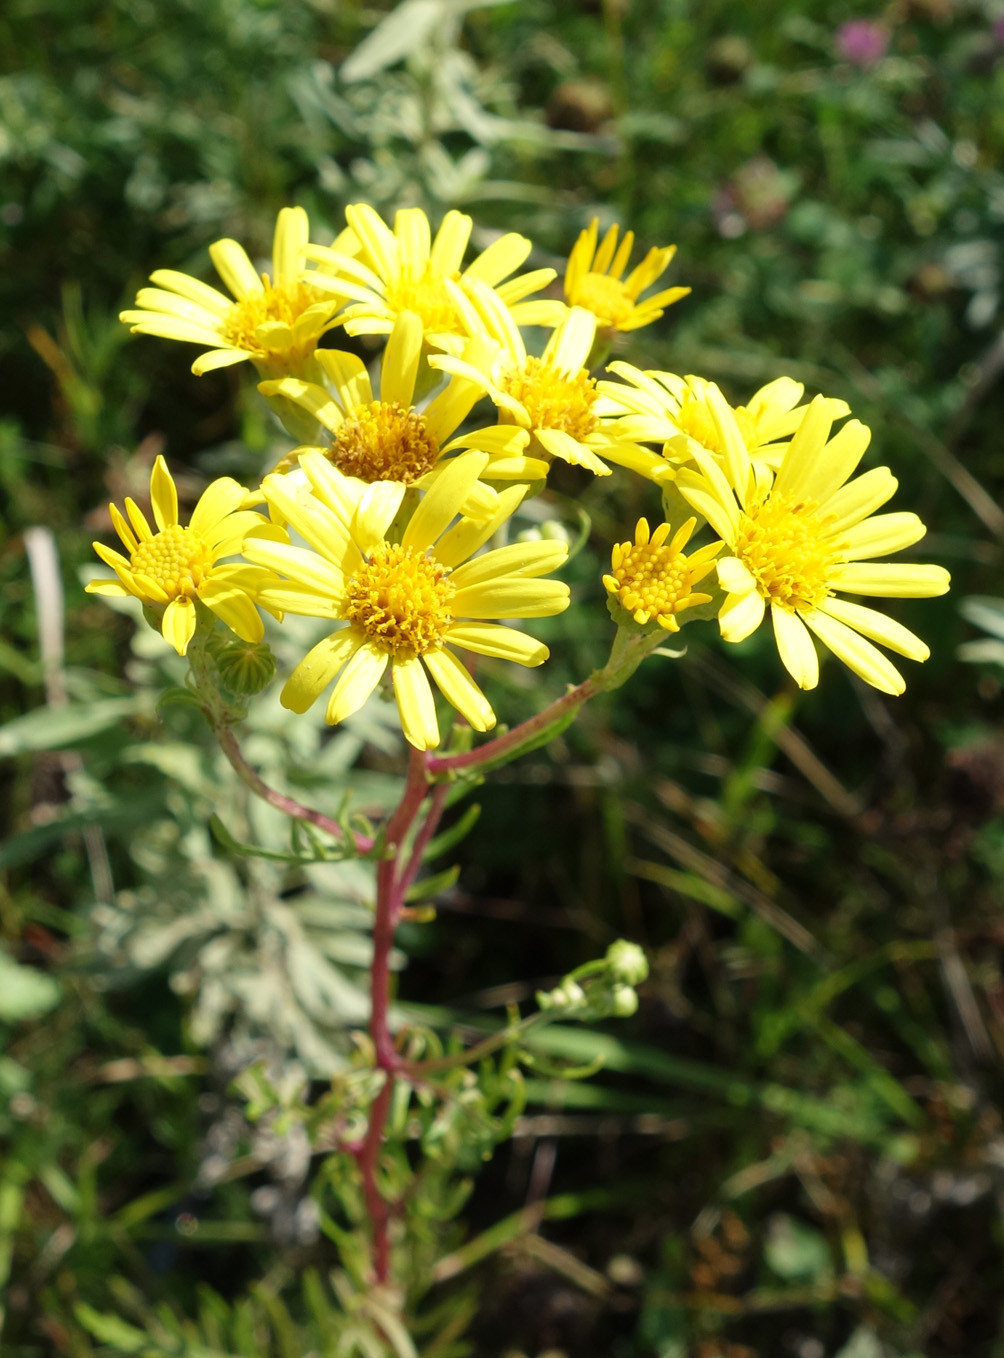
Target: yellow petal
pixel 218 358
pixel 858 499
pixel 880 535
pixel 163 495
pixel 348 376
pixel 236 270
pixel 504 643
pixel 233 606
pixel 857 654
pixel 199 293
pixel 512 597
pixel 355 684
pixel 299 565
pixel 317 669
pixel 735 576
pixel 459 688
pixel 401 357
pixel 891 581
pixel 740 615
pixel 464 538
pixel 178 625
pixel 292 232
pixel 411 227
pixel 442 502
pixel 450 243
pixel 834 464
pixel 415 704
pixel 375 513
pixel 378 242
pixel 503 257
pixel 569 346
pixel 220 498
pixel 794 645
pixel 528 560
pixel 877 627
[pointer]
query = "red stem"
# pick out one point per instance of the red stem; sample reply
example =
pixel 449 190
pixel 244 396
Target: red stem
pixel 519 735
pixel 392 882
pixel 288 805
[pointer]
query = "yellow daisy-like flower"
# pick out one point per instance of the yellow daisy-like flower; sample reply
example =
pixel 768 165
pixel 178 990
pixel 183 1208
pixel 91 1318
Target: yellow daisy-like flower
pixel 659 407
pixel 404 603
pixel 387 439
pixel 594 279
pixel 553 397
pixel 653 579
pixel 174 567
pixel 802 534
pixel 276 321
pixel 388 272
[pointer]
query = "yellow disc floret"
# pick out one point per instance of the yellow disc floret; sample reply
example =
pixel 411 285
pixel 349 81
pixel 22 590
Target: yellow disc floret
pixel 381 441
pixel 786 547
pixel 176 559
pixel 400 599
pixel 285 303
pixel 652 578
pixel 554 399
pixel 428 298
pixel 607 298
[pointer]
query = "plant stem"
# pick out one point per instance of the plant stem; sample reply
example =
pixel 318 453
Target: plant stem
pixel 625 657
pixel 394 877
pixel 221 720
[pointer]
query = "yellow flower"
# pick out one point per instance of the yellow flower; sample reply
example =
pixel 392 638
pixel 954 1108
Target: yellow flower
pixel 800 535
pixel 276 321
pixel 652 578
pixel 404 603
pixel 387 272
pixel 552 397
pixel 176 566
pixel 389 440
pixel 659 407
pixel 594 280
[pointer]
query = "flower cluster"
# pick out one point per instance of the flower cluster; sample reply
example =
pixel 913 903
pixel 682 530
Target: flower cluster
pixel 377 522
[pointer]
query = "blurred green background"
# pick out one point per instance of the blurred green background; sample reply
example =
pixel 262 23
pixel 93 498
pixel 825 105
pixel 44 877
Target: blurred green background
pixel 796 1148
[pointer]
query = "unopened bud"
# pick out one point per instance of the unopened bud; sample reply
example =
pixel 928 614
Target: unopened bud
pixel 623 1002
pixel 245 668
pixel 627 962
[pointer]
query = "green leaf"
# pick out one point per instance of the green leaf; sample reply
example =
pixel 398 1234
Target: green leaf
pixel 796 1252
pixel 25 992
pixel 226 841
pixel 442 843
pixel 430 887
pixel 57 728
pixel 111 1329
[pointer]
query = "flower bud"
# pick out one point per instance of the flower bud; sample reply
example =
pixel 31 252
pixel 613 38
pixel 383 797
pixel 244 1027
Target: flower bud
pixel 245 668
pixel 627 962
pixel 623 1002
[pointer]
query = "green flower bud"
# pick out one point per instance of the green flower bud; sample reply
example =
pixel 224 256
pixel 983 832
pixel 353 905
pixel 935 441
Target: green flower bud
pixel 245 668
pixel 623 1002
pixel 627 962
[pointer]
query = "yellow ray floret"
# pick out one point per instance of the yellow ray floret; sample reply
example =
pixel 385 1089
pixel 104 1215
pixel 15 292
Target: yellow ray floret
pixel 276 321
pixel 383 273
pixel 386 438
pixel 552 397
pixel 171 567
pixel 594 279
pixel 404 604
pixel 801 536
pixel 653 579
pixel 660 407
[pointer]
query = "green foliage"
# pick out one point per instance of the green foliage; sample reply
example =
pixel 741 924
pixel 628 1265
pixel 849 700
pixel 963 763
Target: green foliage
pixel 799 1132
